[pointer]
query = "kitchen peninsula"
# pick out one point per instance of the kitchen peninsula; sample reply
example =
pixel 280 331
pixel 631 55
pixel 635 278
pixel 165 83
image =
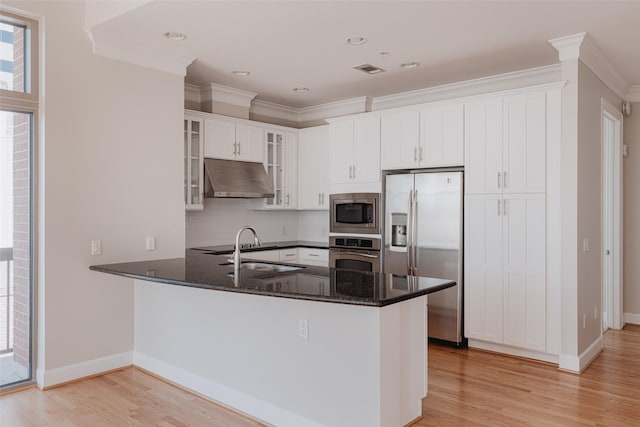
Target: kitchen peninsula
pixel 311 346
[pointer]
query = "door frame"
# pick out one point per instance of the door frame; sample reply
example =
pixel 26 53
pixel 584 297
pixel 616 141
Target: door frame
pixel 614 114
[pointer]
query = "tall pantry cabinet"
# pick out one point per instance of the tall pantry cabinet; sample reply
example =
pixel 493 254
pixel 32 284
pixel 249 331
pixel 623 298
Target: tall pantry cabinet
pixel 506 289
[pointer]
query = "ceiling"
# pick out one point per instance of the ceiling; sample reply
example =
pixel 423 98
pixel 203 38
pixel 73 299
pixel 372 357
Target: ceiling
pixel 303 43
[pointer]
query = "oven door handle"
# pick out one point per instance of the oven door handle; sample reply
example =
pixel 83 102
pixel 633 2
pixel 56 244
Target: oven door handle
pixel 358 254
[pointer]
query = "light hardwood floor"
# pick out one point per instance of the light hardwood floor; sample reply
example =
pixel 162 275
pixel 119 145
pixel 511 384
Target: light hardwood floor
pixel 466 388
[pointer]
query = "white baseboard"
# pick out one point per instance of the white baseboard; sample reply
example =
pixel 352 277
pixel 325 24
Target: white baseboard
pixel 219 392
pixel 52 377
pixel 513 351
pixel 578 364
pixel 632 318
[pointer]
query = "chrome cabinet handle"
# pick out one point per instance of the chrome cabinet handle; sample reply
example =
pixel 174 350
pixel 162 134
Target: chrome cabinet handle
pixel 235 149
pixel 421 153
pixel 505 205
pixel 499 179
pixel 350 173
pixel 313 254
pixel 504 179
pixel 354 171
pixel 323 199
pixel 238 148
pixel 415 154
pixel 287 198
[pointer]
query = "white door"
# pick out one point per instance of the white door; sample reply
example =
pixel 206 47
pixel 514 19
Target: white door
pixel 220 139
pixel 483 267
pixel 524 143
pixel 442 136
pixel 400 138
pixel 523 265
pixel 366 150
pixel 250 143
pixel 612 217
pixel 483 147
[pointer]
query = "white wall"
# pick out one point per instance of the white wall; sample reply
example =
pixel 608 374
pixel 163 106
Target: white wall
pixel 110 155
pixel 313 226
pixel 631 215
pixel 590 93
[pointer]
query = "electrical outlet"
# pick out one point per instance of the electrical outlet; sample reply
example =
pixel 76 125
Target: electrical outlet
pixel 96 247
pixel 151 243
pixel 303 328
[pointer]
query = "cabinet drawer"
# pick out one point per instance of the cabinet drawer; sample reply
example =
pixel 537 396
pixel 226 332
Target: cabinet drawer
pixel 310 256
pixel 289 255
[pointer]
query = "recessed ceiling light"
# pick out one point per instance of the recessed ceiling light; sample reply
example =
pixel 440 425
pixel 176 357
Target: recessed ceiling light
pixel 409 65
pixel 240 73
pixel 356 40
pixel 175 36
pixel 300 89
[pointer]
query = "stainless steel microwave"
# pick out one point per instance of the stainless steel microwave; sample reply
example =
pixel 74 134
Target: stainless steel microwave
pixel 355 213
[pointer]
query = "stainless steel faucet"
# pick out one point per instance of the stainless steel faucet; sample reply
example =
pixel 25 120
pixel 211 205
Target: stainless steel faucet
pixel 236 253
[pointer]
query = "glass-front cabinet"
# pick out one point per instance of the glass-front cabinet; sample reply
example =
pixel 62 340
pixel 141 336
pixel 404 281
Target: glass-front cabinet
pixel 193 164
pixel 280 161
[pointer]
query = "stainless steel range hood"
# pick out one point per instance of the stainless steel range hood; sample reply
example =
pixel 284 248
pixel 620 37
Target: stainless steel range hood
pixel 230 178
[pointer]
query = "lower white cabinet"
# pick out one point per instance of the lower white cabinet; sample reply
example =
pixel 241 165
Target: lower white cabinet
pixel 273 255
pixel 313 168
pixel 505 257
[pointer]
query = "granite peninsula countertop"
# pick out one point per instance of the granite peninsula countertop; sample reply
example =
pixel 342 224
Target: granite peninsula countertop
pixel 228 249
pixel 208 270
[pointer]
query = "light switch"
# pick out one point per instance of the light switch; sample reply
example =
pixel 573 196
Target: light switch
pixel 585 245
pixel 96 247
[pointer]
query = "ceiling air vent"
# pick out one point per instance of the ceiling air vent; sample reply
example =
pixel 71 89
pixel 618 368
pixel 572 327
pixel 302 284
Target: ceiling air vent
pixel 368 68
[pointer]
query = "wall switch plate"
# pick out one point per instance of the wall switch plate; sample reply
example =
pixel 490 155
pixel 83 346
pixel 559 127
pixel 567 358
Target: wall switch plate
pixel 584 321
pixel 151 243
pixel 585 245
pixel 96 247
pixel 303 328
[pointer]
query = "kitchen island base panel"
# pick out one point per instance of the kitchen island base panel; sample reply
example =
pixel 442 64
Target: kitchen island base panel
pixel 359 366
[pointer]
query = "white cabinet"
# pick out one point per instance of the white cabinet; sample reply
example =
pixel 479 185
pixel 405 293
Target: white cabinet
pixel 289 255
pixel 505 144
pixel 432 136
pixel 231 139
pixel 280 161
pixel 193 163
pixel 442 136
pixel 271 255
pixel 354 150
pixel 313 168
pixel 312 256
pixel 505 289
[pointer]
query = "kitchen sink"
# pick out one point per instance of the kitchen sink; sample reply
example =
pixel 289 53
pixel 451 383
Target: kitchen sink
pixel 263 267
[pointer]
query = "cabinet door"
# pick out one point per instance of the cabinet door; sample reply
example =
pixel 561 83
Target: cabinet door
pixel 274 165
pixel 250 143
pixel 483 147
pixel 220 139
pixel 313 168
pixel 193 164
pixel 341 140
pixel 291 170
pixel 400 138
pixel 524 271
pixel 483 267
pixel 442 136
pixel 366 150
pixel 524 143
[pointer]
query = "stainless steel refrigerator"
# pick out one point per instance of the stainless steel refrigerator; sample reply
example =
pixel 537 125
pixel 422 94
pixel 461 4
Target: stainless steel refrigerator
pixel 423 237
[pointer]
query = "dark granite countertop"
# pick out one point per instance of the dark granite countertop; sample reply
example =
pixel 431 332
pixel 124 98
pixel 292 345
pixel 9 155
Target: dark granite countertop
pixel 228 249
pixel 209 271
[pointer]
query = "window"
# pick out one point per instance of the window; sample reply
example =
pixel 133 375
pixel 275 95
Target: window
pixel 18 118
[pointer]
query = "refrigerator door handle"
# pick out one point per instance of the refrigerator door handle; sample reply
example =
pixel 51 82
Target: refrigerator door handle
pixel 409 231
pixel 414 231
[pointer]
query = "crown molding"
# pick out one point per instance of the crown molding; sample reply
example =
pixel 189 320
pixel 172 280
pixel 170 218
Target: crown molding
pixel 125 51
pixel 192 93
pixel 634 94
pixel 226 94
pixel 581 46
pixel 271 109
pixel 500 82
pixel 334 109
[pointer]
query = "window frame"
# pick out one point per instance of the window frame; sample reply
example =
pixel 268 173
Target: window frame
pixel 31 98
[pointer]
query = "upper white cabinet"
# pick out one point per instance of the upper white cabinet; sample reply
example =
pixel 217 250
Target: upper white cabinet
pixel 505 144
pixel 280 161
pixel 354 150
pixel 313 168
pixel 233 140
pixel 193 163
pixel 432 136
